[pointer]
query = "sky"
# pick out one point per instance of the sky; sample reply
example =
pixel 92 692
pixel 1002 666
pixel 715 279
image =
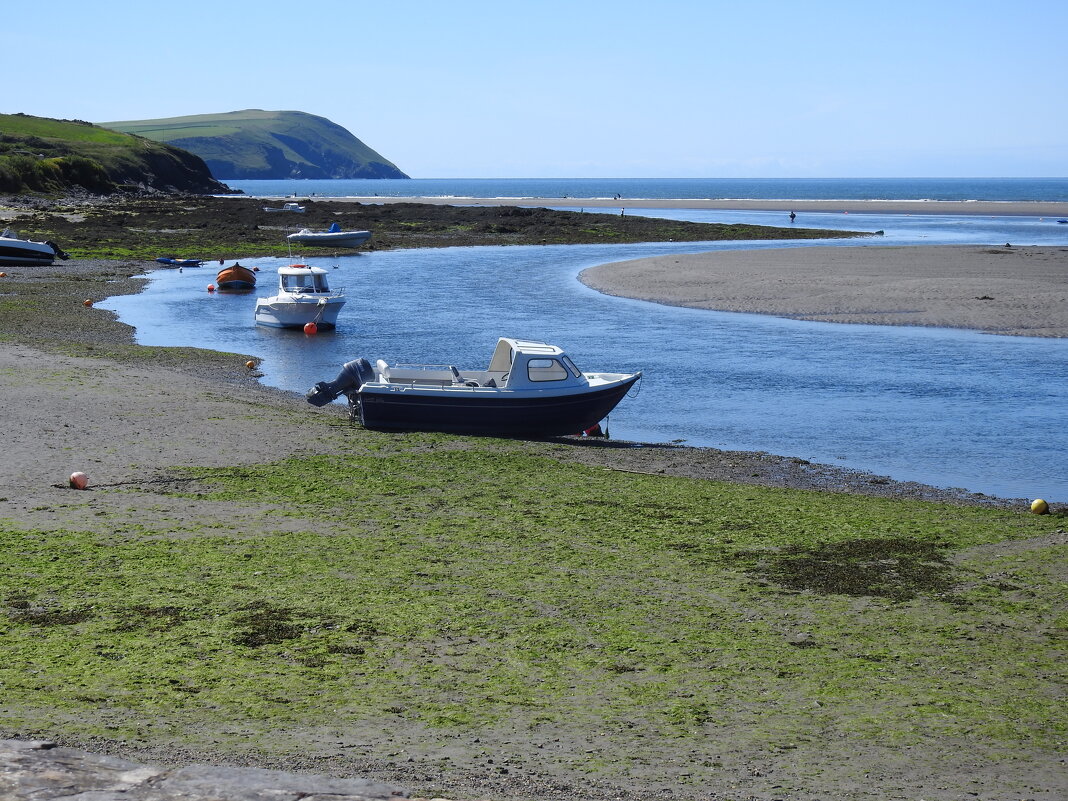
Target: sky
pixel 583 88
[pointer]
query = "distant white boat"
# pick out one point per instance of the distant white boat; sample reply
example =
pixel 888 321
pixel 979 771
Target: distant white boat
pixel 286 207
pixel 26 253
pixel 332 237
pixel 304 296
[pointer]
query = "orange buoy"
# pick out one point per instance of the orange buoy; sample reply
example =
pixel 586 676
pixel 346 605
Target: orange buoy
pixel 250 364
pixel 255 269
pixel 3 275
pixel 87 303
pixel 79 480
pixel 311 328
pixel 211 287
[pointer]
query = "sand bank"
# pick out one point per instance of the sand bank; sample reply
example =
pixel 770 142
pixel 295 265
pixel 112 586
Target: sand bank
pixel 1003 290
pixel 973 207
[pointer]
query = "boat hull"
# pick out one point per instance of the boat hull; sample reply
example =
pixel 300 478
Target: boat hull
pixel 235 278
pixel 292 314
pixel 19 252
pixel 488 413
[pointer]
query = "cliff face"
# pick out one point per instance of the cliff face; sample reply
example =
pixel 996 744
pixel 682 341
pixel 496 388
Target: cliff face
pixel 267 144
pixel 38 154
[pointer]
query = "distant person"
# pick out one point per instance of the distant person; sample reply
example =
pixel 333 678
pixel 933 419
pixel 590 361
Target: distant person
pixel 792 216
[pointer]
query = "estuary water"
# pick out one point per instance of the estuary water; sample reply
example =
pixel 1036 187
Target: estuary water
pixel 945 407
pixel 993 189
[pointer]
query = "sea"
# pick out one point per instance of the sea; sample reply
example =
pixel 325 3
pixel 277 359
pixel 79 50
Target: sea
pixel 945 407
pixel 986 189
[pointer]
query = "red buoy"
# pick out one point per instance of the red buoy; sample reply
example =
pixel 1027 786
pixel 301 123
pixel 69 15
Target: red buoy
pixel 211 287
pixel 79 480
pixel 311 328
pixel 87 303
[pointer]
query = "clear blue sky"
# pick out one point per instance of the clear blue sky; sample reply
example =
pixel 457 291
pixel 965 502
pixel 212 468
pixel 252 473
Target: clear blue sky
pixel 583 88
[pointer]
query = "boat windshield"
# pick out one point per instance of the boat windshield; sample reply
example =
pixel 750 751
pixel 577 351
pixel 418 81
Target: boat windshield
pixel 305 282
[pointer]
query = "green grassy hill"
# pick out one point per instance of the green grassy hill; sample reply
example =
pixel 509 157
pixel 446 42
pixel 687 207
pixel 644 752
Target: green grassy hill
pixel 267 144
pixel 38 154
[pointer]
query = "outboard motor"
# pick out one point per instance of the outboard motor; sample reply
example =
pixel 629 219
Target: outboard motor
pixel 352 376
pixel 55 249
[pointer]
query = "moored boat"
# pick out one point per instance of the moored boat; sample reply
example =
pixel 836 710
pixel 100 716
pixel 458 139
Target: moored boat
pixel 236 276
pixel 529 389
pixel 172 261
pixel 304 296
pixel 27 253
pixel 332 237
pixel 286 207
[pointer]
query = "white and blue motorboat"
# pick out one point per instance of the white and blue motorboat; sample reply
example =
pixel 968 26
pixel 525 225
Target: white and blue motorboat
pixel 26 253
pixel 333 237
pixel 529 389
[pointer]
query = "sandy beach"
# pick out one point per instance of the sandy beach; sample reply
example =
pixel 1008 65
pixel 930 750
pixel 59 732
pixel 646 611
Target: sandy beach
pixel 972 207
pixel 1020 291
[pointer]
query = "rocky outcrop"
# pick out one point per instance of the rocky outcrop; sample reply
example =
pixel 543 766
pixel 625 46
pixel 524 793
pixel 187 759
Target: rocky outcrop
pixel 33 770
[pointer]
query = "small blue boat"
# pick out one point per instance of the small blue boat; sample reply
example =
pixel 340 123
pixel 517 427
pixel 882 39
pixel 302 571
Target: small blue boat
pixel 170 261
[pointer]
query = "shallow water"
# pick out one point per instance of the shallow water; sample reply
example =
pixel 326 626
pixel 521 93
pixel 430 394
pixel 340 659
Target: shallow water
pixel 945 407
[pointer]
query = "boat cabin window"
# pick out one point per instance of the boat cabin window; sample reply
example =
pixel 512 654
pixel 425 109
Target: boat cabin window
pixel 546 370
pixel 571 366
pixel 305 283
pixel 296 282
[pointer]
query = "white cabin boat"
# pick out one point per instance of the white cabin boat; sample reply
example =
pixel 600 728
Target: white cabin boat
pixel 286 207
pixel 529 389
pixel 304 296
pixel 24 252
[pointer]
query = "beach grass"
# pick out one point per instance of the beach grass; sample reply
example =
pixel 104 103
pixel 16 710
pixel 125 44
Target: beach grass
pixel 440 584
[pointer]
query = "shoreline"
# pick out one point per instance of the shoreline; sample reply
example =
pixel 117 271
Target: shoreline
pixel 1017 291
pixel 992 208
pixel 83 337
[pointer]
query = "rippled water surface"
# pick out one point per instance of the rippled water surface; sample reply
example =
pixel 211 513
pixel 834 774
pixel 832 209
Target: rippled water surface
pixel 945 407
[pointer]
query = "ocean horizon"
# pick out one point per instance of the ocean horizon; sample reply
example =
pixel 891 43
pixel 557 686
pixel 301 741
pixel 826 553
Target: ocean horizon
pixel 1006 190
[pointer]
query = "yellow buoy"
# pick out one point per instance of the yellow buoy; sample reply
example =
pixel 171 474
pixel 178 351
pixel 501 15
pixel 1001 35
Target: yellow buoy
pixel 1039 507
